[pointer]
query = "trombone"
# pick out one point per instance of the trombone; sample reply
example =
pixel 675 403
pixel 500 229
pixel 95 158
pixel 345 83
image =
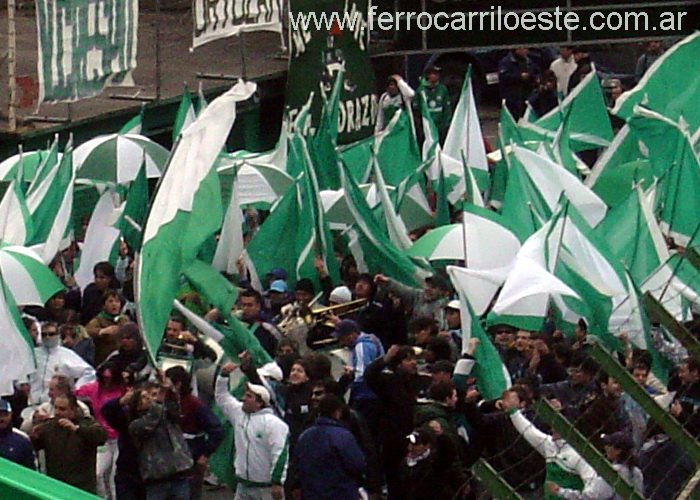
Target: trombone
pixel 322 314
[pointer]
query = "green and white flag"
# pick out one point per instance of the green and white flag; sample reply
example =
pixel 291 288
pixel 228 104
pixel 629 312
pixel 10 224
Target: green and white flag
pixel 84 46
pixel 50 203
pixel 370 245
pixel 464 140
pixel 430 132
pixel 186 212
pixel 491 375
pixel 633 235
pixel 15 342
pixel 230 245
pixel 398 234
pixel 585 108
pixel 671 86
pixel 218 19
pixel 134 125
pixel 623 164
pixel 397 150
pixel 185 115
pixel 680 179
pixel 101 237
pixel 16 225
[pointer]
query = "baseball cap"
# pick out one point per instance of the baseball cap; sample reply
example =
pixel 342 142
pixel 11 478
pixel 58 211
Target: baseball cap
pixel 620 440
pixel 279 286
pixel 260 391
pixel 453 304
pixel 346 327
pixel 340 295
pixel 5 406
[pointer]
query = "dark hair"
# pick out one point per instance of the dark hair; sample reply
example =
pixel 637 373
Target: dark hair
pixel 582 324
pixel 581 360
pixel 563 350
pixel 329 404
pixel 641 366
pixel 329 385
pixel 641 357
pixel 109 293
pixel 304 364
pixel 285 341
pixel 252 293
pixel 111 366
pixel 179 374
pixel 404 352
pixel 367 278
pixel 178 319
pixel 693 364
pixel 317 366
pixel 136 398
pixel 440 391
pixel 105 268
pixel 440 347
pixel 423 323
pixel 28 322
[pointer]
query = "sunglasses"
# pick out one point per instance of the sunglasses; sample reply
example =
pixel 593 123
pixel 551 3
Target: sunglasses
pixel 50 333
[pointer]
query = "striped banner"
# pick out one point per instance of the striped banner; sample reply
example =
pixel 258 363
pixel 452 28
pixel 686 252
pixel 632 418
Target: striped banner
pixel 214 19
pixel 85 45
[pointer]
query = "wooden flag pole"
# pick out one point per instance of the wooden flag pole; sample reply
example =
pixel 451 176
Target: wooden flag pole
pixel 12 65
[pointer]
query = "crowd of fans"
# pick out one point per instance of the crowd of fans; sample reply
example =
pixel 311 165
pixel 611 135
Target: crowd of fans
pixel 393 420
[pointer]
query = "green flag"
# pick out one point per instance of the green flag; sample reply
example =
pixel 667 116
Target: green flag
pixel 134 125
pixel 671 86
pixel 186 212
pixel 185 114
pixel 396 149
pixel 376 252
pixel 585 107
pixel 134 212
pixel 442 210
pixel 491 375
pixel 633 235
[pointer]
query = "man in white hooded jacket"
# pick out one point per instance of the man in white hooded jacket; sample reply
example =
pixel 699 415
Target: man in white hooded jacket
pixel 260 437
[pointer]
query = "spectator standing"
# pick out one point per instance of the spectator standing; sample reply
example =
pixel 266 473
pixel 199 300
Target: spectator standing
pixel 437 99
pixel 14 444
pixel 104 326
pixel 70 442
pixel 563 67
pixel 517 77
pixel 583 67
pixel 653 51
pixel 397 97
pixel 260 437
pixel 107 386
pixel 329 459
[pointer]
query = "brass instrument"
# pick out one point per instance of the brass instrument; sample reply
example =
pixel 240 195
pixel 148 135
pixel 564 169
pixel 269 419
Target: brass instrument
pixel 322 314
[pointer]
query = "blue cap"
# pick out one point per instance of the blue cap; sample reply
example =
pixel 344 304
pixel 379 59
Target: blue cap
pixel 278 286
pixel 346 327
pixel 5 406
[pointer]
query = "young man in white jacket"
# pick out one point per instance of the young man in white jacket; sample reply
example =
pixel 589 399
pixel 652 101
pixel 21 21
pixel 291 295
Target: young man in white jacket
pixel 565 467
pixel 260 437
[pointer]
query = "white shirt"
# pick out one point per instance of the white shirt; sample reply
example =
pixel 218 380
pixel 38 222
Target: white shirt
pixel 563 69
pixel 57 360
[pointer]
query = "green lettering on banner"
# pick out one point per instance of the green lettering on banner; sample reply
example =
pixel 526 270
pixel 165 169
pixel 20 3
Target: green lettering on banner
pixel 84 45
pixel 316 56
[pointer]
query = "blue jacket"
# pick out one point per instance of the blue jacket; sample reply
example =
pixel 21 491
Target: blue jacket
pixel 16 447
pixel 366 349
pixel 329 461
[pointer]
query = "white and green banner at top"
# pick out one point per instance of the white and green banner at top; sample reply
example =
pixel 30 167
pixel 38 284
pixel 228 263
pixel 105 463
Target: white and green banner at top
pixel 84 45
pixel 214 19
pixel 324 36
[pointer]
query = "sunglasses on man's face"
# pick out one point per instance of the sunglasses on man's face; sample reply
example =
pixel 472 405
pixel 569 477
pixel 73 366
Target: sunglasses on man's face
pixel 50 333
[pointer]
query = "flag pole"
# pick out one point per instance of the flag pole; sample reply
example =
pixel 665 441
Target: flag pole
pixel 158 54
pixel 678 264
pixel 12 65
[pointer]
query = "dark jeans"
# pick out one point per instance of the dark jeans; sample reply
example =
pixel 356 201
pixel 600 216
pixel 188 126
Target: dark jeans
pixel 173 489
pixel 129 488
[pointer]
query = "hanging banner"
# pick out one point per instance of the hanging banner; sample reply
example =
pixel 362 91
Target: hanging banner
pixel 85 45
pixel 214 19
pixel 324 35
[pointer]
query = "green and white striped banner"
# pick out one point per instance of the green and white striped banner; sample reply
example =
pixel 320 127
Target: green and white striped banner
pixel 85 45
